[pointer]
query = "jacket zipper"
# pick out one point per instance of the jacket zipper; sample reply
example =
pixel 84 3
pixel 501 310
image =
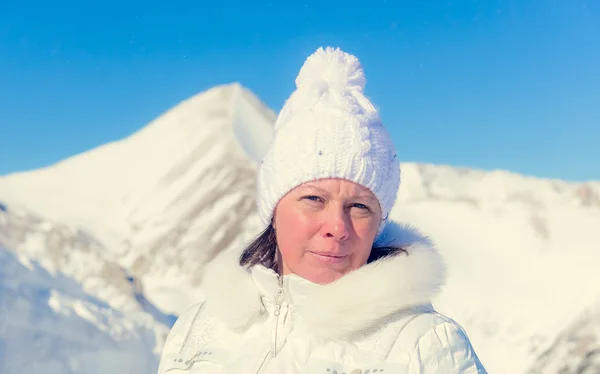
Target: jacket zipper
pixel 277 312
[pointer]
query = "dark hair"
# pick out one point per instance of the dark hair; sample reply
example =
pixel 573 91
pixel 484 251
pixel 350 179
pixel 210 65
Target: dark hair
pixel 263 251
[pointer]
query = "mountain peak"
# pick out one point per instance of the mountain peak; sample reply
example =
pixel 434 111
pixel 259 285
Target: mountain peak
pixel 95 190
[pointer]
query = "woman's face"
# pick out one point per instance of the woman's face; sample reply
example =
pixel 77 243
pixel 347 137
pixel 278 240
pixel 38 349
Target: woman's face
pixel 326 229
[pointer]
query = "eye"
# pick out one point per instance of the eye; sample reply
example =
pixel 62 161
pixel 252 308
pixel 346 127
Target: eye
pixel 312 198
pixel 361 206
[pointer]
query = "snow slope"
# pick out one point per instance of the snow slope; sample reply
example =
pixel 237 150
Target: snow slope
pixel 522 251
pixel 60 249
pixel 48 324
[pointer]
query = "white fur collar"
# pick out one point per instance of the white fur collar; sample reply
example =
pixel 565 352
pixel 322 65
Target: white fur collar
pixel 353 303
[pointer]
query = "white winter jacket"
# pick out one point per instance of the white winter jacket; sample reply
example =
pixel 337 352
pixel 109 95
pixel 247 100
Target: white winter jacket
pixel 376 319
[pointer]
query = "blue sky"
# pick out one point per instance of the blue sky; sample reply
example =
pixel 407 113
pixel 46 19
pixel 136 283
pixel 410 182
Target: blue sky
pixel 500 84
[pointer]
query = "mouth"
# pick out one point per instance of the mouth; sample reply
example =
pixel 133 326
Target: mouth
pixel 329 257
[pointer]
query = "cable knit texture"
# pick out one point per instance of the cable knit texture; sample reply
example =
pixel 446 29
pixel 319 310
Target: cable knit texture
pixel 329 129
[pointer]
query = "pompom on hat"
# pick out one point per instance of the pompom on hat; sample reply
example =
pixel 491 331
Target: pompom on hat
pixel 329 129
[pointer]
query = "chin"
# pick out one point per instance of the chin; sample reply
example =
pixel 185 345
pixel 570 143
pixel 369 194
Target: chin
pixel 324 276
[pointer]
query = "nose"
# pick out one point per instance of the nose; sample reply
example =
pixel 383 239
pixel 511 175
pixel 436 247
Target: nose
pixel 336 226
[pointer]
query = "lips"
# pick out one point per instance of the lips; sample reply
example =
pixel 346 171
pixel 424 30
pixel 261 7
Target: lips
pixel 329 257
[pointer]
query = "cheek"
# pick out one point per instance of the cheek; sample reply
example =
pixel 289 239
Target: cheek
pixel 293 231
pixel 366 229
pixel 365 235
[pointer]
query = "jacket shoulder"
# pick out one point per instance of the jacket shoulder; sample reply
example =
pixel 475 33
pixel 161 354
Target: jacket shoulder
pixel 431 342
pixel 181 333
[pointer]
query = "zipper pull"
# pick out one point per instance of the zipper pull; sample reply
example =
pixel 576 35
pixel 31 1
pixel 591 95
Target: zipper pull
pixel 279 296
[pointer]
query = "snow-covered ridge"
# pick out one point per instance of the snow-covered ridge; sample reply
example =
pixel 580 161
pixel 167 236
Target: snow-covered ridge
pixel 521 251
pixel 60 249
pixel 166 198
pixel 576 350
pixel 107 190
pixel 474 186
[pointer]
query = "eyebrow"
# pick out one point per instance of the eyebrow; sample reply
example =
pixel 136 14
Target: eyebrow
pixel 360 195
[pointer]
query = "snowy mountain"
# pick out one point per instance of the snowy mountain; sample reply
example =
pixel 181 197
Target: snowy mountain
pixel 158 205
pixel 166 198
pixel 522 253
pixel 576 350
pixel 48 324
pixel 58 289
pixel 59 248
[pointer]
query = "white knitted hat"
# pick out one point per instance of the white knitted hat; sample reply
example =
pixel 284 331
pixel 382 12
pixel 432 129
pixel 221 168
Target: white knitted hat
pixel 328 129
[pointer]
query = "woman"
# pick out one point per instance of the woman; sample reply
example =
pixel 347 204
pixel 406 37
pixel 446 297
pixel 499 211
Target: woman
pixel 330 286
